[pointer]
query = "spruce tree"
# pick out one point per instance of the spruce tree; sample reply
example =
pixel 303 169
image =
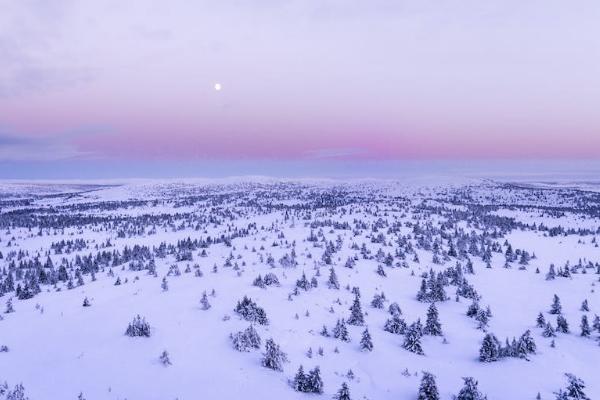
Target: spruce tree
pixel 489 350
pixel 470 391
pixel 204 304
pixel 412 340
pixel 164 358
pixel 273 357
pixel 366 344
pixel 555 308
pixel 574 390
pixel 428 389
pixel 561 324
pixel 584 306
pixel 548 331
pixel 340 331
pixel 314 383
pixel 343 393
pixel 540 321
pixel 433 326
pixel 356 315
pixel 585 326
pixel 299 382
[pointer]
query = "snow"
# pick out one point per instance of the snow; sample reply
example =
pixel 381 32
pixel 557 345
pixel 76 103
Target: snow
pixel 57 348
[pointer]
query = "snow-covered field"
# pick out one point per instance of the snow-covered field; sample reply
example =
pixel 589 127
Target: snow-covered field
pixel 154 248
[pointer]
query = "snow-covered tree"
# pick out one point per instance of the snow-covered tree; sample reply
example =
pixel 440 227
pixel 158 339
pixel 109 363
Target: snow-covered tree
pixel 273 357
pixel 428 389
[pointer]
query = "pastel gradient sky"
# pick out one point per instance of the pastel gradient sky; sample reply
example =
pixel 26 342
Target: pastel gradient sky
pixel 124 82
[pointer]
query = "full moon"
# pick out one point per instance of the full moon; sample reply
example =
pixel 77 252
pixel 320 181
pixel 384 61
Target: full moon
pixel 217 87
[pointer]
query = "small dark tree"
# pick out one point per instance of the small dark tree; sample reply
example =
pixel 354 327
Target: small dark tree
pixel 540 321
pixel 585 326
pixel 332 282
pixel 555 308
pixel 366 342
pixel 164 358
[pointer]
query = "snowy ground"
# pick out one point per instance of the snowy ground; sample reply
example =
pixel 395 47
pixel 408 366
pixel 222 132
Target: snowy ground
pixel 58 349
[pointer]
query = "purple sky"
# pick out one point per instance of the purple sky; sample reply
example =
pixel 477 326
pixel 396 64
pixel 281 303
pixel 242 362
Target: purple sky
pixel 301 80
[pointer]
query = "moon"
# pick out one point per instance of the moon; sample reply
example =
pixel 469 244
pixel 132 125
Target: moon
pixel 218 87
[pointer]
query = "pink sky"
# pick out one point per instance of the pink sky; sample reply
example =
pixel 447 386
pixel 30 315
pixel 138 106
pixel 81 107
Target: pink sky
pixel 306 79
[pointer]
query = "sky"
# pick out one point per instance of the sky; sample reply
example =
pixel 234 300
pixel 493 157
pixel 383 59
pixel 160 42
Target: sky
pixel 110 88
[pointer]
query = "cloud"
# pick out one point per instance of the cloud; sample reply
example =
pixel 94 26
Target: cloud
pixel 33 79
pixel 61 146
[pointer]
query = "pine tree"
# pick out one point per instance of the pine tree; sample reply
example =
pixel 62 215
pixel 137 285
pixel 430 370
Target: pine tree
pixel 555 308
pixel 412 340
pixel 562 324
pixel 596 324
pixel 473 309
pixel 527 342
pixel 482 319
pixel 356 315
pixel 366 343
pixel 584 306
pixel 422 293
pixel 204 304
pixel 433 326
pixel 585 326
pixel 428 389
pixel 377 301
pixel 394 309
pixel 395 325
pixel 340 331
pixel 246 340
pixel 299 382
pixel 138 328
pixel 489 350
pixel 9 307
pixel 343 393
pixel 164 358
pixel 548 331
pixel 574 390
pixel 540 321
pixel 470 390
pixel 314 383
pixel 332 282
pixel 273 357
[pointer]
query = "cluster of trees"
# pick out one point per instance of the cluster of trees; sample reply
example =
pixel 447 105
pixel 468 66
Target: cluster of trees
pixel 250 311
pixel 492 350
pixel 138 327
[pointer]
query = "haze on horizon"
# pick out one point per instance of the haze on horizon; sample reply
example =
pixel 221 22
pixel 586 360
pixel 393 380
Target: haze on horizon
pixel 150 88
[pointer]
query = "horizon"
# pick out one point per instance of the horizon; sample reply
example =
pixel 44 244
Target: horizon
pixel 521 169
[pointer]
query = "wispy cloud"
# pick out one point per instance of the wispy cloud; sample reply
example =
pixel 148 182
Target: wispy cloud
pixel 20 147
